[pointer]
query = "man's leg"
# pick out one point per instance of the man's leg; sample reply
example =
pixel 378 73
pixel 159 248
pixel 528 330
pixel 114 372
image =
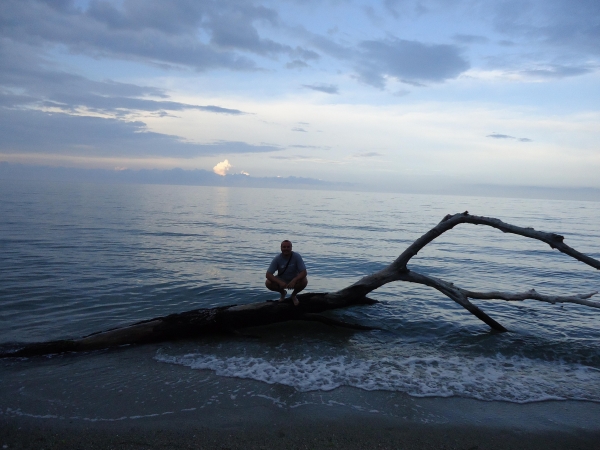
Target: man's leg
pixel 276 288
pixel 300 285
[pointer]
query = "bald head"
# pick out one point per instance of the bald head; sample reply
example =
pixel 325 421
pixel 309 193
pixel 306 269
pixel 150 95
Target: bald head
pixel 286 247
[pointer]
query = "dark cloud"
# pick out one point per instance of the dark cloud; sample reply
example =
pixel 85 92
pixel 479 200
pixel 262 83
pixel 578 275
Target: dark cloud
pixel 366 155
pixel 21 69
pixel 413 83
pixel 302 130
pixel 500 136
pixel 294 157
pixel 296 64
pixel 40 132
pixel 234 29
pixel 506 136
pixel 326 88
pixel 152 31
pixel 560 24
pixel 506 43
pixel 304 146
pixel 409 61
pixel 330 47
pixel 470 39
pixel 217 109
pixel 199 34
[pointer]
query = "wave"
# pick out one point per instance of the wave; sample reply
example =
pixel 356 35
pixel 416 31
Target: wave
pixel 513 379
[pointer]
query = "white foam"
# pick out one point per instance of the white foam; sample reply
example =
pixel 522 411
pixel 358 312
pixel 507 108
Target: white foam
pixel 514 379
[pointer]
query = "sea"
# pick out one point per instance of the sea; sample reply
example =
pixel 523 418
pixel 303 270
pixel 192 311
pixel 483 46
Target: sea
pixel 77 258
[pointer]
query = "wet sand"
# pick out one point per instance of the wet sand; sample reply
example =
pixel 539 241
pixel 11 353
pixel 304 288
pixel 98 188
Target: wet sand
pixel 124 400
pixel 354 432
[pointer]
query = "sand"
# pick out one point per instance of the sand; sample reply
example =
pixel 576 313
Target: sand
pixel 333 434
pixel 301 428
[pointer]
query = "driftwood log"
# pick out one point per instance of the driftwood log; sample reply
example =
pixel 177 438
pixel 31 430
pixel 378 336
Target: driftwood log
pixel 235 317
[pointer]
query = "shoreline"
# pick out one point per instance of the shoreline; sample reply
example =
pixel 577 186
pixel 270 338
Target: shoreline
pixel 125 400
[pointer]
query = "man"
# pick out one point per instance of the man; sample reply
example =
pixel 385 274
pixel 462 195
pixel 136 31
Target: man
pixel 291 273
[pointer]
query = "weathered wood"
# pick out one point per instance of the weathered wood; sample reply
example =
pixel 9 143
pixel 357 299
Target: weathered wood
pixel 234 317
pixel 398 270
pixel 199 322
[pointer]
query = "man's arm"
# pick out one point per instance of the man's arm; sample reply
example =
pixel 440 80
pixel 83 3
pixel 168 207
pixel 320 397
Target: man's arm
pixel 297 278
pixel 273 279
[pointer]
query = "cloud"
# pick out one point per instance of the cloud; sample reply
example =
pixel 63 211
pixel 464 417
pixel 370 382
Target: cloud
pixel 23 69
pixel 470 39
pixel 216 109
pixel 409 61
pixel 222 168
pixel 31 131
pixel 366 155
pixel 558 71
pixel 326 88
pixel 296 64
pixel 290 157
pixel 555 24
pixel 319 147
pixel 506 43
pixel 202 35
pixel 401 93
pixel 302 130
pixel 157 33
pixel 506 136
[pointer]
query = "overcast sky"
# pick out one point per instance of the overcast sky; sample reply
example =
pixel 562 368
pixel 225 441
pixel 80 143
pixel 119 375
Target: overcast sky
pixel 377 92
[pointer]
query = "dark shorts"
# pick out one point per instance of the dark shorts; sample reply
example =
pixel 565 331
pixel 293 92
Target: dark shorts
pixel 287 281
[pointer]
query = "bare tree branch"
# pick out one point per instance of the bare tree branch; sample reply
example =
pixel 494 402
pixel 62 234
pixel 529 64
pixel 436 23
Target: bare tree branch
pixel 398 271
pixel 532 294
pixel 449 222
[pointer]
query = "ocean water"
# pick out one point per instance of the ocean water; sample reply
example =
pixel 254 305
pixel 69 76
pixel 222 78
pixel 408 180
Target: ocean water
pixel 80 258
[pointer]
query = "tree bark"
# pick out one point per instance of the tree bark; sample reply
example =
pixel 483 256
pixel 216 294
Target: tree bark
pixel 225 319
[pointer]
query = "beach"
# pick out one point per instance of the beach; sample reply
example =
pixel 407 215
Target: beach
pixel 269 427
pixel 68 402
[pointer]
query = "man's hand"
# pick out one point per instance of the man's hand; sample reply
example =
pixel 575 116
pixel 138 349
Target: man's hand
pixel 291 284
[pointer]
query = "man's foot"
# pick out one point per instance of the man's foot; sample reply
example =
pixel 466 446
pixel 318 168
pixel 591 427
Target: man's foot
pixel 282 298
pixel 295 300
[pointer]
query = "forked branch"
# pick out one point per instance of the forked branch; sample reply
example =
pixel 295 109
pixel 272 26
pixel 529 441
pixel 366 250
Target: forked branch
pixel 398 270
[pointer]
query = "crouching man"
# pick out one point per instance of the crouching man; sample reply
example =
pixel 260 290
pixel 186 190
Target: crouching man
pixel 291 273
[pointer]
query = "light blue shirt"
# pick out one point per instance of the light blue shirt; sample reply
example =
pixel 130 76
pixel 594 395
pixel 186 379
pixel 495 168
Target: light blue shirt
pixel 295 267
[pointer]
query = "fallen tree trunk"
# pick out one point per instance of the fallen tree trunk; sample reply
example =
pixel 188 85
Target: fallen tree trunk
pixel 198 322
pixel 234 317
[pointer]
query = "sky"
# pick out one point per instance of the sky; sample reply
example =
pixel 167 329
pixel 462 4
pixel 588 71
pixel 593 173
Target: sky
pixel 387 93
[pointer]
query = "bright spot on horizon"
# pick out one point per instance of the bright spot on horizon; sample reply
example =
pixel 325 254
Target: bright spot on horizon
pixel 222 168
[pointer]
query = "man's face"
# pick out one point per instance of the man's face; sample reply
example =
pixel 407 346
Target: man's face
pixel 286 248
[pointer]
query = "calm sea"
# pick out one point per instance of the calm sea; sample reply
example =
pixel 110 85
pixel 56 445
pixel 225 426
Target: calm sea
pixel 80 258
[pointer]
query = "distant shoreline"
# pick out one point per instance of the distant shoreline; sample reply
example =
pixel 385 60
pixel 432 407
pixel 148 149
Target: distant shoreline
pixel 198 177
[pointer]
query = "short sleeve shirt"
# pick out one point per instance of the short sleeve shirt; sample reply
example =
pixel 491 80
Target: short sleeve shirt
pixel 294 268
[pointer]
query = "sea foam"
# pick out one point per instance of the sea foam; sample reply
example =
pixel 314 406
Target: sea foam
pixel 514 379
